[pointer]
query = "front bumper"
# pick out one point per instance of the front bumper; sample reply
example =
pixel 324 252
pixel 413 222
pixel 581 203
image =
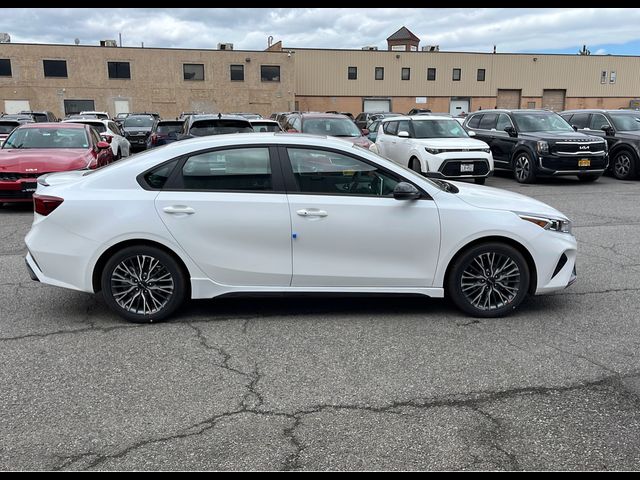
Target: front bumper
pixel 19 191
pixel 553 165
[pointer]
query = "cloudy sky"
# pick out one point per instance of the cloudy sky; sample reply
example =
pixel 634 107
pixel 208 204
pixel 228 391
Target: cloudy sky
pixel 604 31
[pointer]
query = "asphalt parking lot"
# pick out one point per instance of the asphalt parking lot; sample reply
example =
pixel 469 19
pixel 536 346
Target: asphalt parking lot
pixel 334 383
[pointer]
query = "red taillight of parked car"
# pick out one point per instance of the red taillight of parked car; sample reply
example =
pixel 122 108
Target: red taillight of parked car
pixel 45 204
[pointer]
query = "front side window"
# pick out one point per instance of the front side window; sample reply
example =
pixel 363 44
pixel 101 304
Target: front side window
pixel 626 121
pixel 237 73
pixel 270 73
pixel 438 129
pixel 379 75
pixel 326 172
pixel 119 69
pixel 234 169
pixel 488 121
pixel 503 122
pixel 541 122
pixel 598 121
pixel 47 138
pixel 580 120
pixel 55 68
pixel 193 71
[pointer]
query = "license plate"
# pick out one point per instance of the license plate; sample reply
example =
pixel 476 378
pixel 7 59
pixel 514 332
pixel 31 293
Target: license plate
pixel 584 162
pixel 29 187
pixel 466 167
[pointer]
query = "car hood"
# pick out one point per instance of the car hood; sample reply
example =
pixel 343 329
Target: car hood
pixel 552 135
pixel 43 159
pixel 450 142
pixel 498 199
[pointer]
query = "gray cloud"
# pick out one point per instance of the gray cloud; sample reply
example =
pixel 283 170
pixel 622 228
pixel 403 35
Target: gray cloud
pixel 452 28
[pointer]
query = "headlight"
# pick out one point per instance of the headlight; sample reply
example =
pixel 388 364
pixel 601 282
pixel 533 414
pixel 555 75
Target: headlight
pixel 485 150
pixel 434 151
pixel 554 224
pixel 542 146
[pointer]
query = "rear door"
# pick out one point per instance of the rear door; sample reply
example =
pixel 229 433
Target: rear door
pixel 228 210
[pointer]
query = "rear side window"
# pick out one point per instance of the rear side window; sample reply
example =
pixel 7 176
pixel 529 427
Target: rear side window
pixel 488 121
pixel 474 121
pixel 390 128
pixel 580 120
pixel 157 177
pixel 98 126
pixel 245 169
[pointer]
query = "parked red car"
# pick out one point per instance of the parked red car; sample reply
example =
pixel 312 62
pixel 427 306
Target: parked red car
pixel 37 148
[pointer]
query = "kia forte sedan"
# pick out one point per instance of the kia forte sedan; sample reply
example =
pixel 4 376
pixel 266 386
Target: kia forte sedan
pixel 265 212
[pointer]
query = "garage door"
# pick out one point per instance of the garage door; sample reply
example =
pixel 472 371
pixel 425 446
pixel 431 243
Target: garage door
pixel 15 106
pixel 377 105
pixel 508 99
pixel 553 99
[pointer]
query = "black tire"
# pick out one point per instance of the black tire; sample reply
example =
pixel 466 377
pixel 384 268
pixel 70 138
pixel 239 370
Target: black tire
pixel 588 178
pixel 124 273
pixel 480 181
pixel 524 170
pixel 414 164
pixel 624 165
pixel 471 297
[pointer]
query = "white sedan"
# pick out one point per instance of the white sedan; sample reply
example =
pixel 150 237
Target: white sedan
pixel 266 212
pixel 110 132
pixel 437 146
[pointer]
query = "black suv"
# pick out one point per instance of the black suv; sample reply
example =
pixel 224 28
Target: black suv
pixel 534 143
pixel 204 125
pixel 621 130
pixel 41 116
pixel 137 128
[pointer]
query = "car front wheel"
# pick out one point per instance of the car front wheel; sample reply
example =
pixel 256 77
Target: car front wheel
pixel 523 168
pixel 143 284
pixel 488 280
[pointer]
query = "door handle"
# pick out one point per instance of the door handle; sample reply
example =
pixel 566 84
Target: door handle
pixel 179 209
pixel 311 213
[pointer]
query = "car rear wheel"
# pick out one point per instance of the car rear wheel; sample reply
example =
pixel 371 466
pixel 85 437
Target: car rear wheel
pixel 624 165
pixel 488 280
pixel 143 284
pixel 523 168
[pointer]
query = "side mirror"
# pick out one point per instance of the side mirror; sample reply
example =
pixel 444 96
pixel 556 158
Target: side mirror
pixel 406 191
pixel 403 134
pixel 608 129
pixel 511 131
pixel 103 145
pixel 575 128
pixel 471 133
pixel 365 131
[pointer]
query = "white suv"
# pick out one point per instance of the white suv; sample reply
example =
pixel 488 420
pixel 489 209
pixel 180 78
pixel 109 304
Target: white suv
pixel 436 146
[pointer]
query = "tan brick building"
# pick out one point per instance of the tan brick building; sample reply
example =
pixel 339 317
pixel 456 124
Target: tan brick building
pixel 66 78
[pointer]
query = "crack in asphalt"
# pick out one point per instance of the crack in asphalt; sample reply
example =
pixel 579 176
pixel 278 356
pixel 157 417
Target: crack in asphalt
pixel 226 357
pixel 70 332
pixel 583 357
pixel 470 400
pixel 596 292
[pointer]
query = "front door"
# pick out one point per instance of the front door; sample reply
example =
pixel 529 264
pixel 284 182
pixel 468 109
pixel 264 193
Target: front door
pixel 349 231
pixel 227 210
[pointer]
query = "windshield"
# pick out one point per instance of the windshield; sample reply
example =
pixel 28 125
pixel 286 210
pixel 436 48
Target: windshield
pixel 139 122
pixel 7 127
pixel 203 128
pixel 438 129
pixel 626 121
pixel 334 127
pixel 266 127
pixel 541 122
pixel 170 127
pixel 47 138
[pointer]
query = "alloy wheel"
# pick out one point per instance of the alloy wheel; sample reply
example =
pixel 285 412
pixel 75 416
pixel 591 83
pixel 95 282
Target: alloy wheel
pixel 622 165
pixel 522 168
pixel 490 281
pixel 142 285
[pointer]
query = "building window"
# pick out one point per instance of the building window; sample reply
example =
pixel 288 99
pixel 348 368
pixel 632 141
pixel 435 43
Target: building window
pixel 119 69
pixel 379 73
pixel 406 73
pixel 481 74
pixel 270 73
pixel 603 76
pixel 72 107
pixel 457 73
pixel 5 67
pixel 55 68
pixel 352 73
pixel 431 74
pixel 237 73
pixel 612 77
pixel 193 71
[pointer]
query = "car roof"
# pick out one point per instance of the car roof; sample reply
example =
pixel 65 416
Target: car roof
pixel 53 125
pixel 513 110
pixel 223 116
pixel 170 121
pixel 602 110
pixel 262 120
pixel 419 118
pixel 321 115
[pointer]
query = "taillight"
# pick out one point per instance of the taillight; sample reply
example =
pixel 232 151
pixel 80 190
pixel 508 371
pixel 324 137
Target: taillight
pixel 45 204
pixel 107 138
pixel 154 139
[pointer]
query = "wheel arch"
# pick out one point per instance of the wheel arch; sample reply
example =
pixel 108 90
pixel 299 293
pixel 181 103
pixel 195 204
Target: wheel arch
pixel 522 148
pixel 629 147
pixel 533 272
pixel 102 261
